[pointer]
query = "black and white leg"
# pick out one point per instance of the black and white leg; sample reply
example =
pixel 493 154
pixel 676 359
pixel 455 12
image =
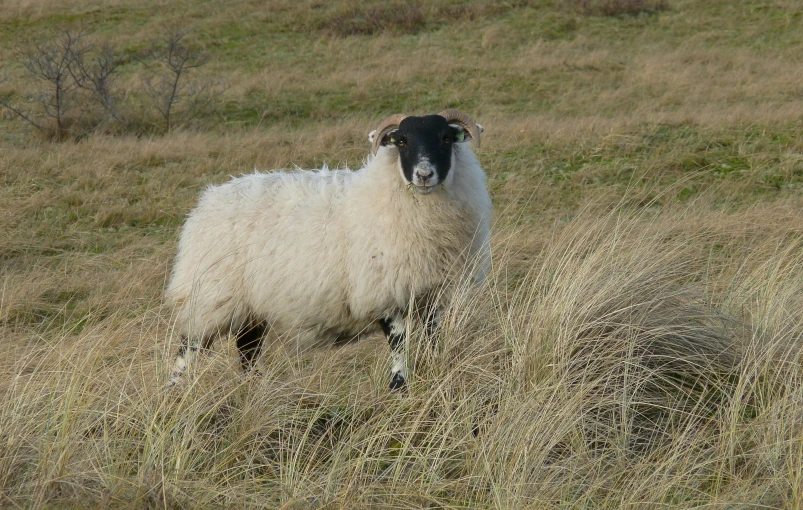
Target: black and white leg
pixel 394 329
pixel 249 344
pixel 432 320
pixel 187 354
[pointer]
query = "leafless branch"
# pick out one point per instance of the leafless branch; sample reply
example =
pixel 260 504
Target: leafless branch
pixel 68 74
pixel 49 63
pixel 97 76
pixel 166 84
pixel 8 104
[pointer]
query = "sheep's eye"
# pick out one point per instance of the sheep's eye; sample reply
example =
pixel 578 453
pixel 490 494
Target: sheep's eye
pixel 402 142
pixel 447 139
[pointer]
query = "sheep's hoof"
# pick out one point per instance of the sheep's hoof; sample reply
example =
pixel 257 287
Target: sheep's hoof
pixel 397 382
pixel 175 382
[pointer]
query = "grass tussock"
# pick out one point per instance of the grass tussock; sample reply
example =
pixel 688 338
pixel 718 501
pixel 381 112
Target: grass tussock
pixel 628 364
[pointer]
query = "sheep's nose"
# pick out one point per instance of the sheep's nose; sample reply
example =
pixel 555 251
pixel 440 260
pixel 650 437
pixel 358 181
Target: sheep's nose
pixel 424 174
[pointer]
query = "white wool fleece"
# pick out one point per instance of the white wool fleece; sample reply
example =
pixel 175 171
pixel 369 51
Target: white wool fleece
pixel 323 253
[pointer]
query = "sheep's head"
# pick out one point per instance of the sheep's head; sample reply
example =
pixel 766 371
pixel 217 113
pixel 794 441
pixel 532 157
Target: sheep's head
pixel 426 144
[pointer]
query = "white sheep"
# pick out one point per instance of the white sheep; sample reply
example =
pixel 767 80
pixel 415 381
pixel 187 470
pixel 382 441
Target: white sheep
pixel 323 255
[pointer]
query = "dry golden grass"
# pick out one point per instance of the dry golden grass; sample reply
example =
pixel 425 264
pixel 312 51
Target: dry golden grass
pixel 638 341
pixel 641 359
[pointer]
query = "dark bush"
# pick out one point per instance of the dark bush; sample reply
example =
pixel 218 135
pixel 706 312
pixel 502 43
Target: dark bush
pixel 71 85
pixel 95 72
pixel 617 7
pixel 395 17
pixel 168 85
pixel 48 104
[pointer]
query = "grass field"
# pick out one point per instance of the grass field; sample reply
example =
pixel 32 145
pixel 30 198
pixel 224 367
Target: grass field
pixel 636 345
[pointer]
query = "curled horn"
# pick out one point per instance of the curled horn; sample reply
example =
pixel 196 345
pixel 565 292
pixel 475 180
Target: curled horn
pixel 385 127
pixel 463 120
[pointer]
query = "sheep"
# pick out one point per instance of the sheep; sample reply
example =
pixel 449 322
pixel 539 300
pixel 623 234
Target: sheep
pixel 320 255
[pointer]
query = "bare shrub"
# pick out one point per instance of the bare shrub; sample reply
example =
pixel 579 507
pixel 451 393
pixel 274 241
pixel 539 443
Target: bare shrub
pixel 76 79
pixel 96 75
pixel 617 7
pixel 48 63
pixel 168 86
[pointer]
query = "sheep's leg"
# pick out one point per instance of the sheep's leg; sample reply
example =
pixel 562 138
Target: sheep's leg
pixel 428 311
pixel 394 329
pixel 185 358
pixel 432 321
pixel 249 343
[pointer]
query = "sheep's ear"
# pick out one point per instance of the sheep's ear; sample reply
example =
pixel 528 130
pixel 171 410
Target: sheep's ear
pixel 390 138
pixel 385 141
pixel 460 133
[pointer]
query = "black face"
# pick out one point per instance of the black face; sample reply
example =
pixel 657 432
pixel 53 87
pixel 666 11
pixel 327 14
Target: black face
pixel 425 149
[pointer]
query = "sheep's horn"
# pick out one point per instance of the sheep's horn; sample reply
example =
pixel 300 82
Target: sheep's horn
pixel 461 119
pixel 385 127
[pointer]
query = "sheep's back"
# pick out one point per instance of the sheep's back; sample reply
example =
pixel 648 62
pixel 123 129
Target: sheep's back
pixel 294 272
pixel 259 244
